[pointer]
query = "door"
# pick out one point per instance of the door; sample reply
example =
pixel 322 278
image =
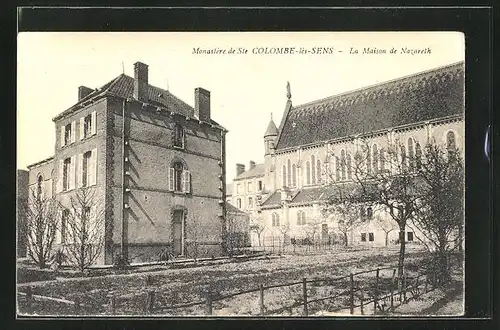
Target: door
pixel 178 232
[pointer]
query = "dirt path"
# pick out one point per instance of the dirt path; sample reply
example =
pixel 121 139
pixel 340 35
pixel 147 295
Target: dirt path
pixel 450 296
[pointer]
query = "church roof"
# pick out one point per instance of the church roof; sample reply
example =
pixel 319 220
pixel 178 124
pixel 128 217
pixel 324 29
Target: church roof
pixel 420 97
pixel 271 129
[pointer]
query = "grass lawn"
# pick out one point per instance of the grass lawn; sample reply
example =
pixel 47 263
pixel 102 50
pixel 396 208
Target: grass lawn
pixel 176 286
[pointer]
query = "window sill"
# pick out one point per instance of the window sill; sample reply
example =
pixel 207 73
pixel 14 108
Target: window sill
pixel 87 137
pixel 179 148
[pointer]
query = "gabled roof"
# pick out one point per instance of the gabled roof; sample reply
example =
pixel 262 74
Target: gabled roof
pixel 123 86
pixel 257 171
pixel 420 97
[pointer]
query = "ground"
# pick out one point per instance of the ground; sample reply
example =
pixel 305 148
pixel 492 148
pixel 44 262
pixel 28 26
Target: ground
pixel 185 285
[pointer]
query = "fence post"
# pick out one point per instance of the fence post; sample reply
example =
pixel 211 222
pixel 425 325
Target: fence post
pixel 112 303
pixel 351 302
pixel 77 306
pixel 261 299
pixel 29 299
pixel 208 306
pixel 404 286
pixel 150 301
pixel 375 298
pixel 304 291
pixel 392 288
pixel 361 301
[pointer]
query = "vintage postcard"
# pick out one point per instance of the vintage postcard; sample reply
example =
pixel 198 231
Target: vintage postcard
pixel 240 174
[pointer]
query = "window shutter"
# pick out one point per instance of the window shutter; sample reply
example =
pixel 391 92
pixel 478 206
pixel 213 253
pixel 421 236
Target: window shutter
pixel 92 174
pixel 59 186
pixel 73 131
pixel 72 173
pixel 62 136
pixel 79 177
pixel 82 128
pixel 171 178
pixel 93 123
pixel 186 181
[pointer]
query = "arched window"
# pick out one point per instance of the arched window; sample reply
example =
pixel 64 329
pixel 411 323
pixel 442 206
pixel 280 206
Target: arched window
pixel 403 158
pixel 178 168
pixel 275 220
pixel 308 172
pixel 179 177
pixel 418 155
pixel 342 163
pixel 411 155
pixel 382 160
pixel 337 169
pixel 368 162
pixel 284 176
pixel 178 136
pixel 301 218
pixel 39 181
pixel 451 142
pixel 369 212
pixel 313 170
pixel 318 170
pixel 294 175
pixel 289 173
pixel 375 159
pixel 349 168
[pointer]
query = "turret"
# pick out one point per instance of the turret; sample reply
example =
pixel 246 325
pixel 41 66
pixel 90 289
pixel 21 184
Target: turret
pixel 270 138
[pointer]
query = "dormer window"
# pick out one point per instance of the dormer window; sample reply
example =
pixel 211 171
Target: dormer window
pixel 178 136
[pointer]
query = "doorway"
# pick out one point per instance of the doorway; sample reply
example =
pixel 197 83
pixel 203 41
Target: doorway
pixel 178 232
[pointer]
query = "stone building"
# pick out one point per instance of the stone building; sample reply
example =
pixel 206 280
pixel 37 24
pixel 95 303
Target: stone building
pixel 155 163
pixel 314 146
pixel 248 186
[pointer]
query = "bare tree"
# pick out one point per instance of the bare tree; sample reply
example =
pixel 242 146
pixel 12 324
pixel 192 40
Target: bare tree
pixel 440 215
pixel 257 225
pixel 42 217
pixel 284 229
pixel 85 225
pixel 387 225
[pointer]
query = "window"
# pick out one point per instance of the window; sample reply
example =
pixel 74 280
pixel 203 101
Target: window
pixel 238 203
pixel 86 168
pixel 86 213
pixel 411 155
pixel 294 176
pixel 451 143
pixel 250 202
pixel 337 168
pixel 349 170
pixel 67 134
pixel 375 159
pixel 250 186
pixel 370 237
pixel 289 173
pixel 64 223
pixel 275 220
pixel 284 176
pixel 179 178
pixel 382 160
pixel 39 181
pixel 363 237
pixel 369 213
pixel 178 136
pixel 238 189
pixel 410 236
pixel 260 185
pixel 308 172
pixel 342 164
pixel 418 155
pixel 313 171
pixel 403 158
pixel 66 173
pixel 318 170
pixel 301 218
pixel 87 126
pixel 368 162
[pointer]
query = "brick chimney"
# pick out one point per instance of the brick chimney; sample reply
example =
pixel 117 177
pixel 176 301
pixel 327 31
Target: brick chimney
pixel 240 168
pixel 83 91
pixel 202 104
pixel 252 165
pixel 140 81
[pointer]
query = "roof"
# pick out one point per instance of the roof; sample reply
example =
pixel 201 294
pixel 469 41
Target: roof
pixel 257 171
pixel 234 210
pixel 420 97
pixel 271 129
pixel 123 86
pixel 41 162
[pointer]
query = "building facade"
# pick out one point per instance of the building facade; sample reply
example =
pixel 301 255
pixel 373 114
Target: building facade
pixel 313 150
pixel 154 163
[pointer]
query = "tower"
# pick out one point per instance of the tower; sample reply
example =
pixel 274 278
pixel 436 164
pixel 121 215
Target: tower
pixel 270 137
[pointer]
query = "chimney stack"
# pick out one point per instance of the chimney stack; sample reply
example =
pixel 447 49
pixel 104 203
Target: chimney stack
pixel 252 165
pixel 140 81
pixel 240 168
pixel 83 91
pixel 202 104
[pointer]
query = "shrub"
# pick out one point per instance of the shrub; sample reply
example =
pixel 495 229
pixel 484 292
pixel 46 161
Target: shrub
pixel 25 275
pixel 120 262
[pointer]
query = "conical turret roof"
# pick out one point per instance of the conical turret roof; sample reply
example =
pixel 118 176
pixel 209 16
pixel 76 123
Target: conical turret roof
pixel 271 129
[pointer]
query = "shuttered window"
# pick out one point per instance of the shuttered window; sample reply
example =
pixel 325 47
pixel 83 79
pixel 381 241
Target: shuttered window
pixel 179 178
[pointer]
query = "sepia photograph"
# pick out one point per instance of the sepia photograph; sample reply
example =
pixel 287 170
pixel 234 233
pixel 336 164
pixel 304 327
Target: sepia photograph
pixel 240 174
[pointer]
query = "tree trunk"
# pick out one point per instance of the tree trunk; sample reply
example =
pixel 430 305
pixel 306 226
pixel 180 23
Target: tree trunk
pixel 386 239
pixel 402 246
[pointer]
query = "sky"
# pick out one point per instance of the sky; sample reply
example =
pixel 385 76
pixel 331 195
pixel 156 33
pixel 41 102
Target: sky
pixel 246 88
